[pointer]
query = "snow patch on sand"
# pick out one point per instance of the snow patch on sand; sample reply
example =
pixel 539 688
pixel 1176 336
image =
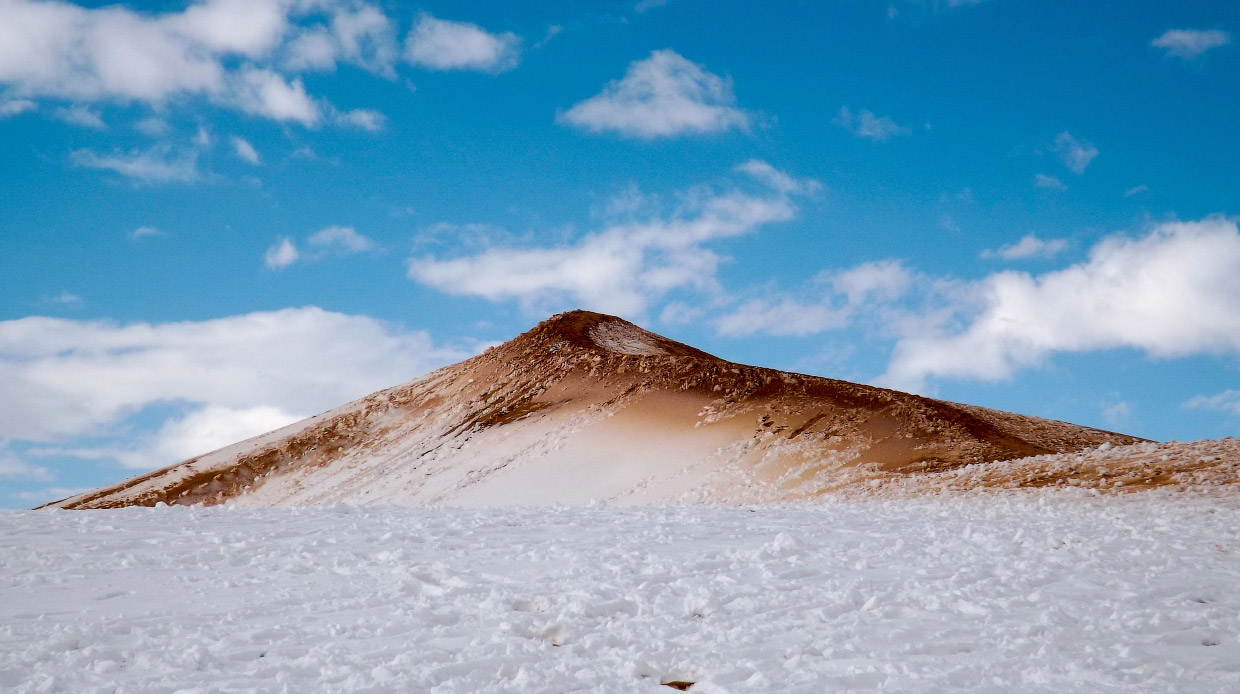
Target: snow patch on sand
pixel 1048 592
pixel 625 338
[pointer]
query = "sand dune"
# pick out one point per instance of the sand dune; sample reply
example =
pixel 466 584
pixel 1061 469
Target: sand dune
pixel 587 407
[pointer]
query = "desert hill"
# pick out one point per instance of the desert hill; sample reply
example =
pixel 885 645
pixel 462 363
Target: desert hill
pixel 586 406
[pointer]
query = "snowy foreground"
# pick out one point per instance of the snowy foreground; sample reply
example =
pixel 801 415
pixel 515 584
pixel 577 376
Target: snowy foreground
pixel 1058 593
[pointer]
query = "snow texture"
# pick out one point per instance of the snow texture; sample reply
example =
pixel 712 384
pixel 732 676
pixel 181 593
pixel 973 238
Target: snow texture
pixel 1032 592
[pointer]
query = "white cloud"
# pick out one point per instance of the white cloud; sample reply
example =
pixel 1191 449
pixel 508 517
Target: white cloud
pixel 200 431
pixel 13 107
pixel 1117 413
pixel 65 379
pixel 266 93
pixel 202 138
pixel 1226 401
pixel 223 51
pixel 781 316
pixel 647 5
pixel 1048 182
pixel 244 150
pixel 1190 43
pixel 43 496
pixel 362 118
pixel 1075 154
pixel 439 44
pixel 1029 246
pixel 340 239
pixel 661 96
pixel 80 116
pixel 281 254
pixel 1170 293
pixel 623 267
pixel 360 35
pixel 330 241
pixel 13 467
pixel 65 299
pixel 155 127
pixel 145 232
pixel 865 124
pixel 1136 190
pixel 159 164
pixel 835 300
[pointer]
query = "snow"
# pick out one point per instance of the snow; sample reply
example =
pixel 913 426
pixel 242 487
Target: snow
pixel 1031 592
pixel 623 337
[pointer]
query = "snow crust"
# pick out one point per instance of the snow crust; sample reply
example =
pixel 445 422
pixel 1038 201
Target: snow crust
pixel 1050 592
pixel 625 338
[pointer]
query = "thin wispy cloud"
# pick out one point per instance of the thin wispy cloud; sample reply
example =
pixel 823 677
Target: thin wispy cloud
pixel 1047 182
pixel 14 107
pixel 1226 401
pixel 245 151
pixel 1190 43
pixel 145 232
pixel 158 164
pixel 362 119
pixel 625 266
pixel 325 243
pixel 1075 154
pixel 664 95
pixel 80 116
pixel 869 126
pixel 1029 246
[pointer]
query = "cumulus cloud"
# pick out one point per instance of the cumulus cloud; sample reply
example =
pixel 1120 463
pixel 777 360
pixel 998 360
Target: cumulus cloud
pixel 626 265
pixel 359 35
pixel 231 377
pixel 440 44
pixel 266 93
pixel 1075 154
pixel 224 51
pixel 1190 43
pixel 1169 293
pixel 661 96
pixel 245 151
pixel 1029 246
pixel 869 126
pixel 158 164
pixel 281 254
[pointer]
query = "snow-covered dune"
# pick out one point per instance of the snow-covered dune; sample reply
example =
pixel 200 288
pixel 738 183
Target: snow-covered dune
pixel 1033 592
pixel 587 406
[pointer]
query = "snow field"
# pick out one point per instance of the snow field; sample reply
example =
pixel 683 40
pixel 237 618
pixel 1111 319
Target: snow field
pixel 1056 592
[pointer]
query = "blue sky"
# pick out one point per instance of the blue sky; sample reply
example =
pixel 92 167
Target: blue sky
pixel 224 216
